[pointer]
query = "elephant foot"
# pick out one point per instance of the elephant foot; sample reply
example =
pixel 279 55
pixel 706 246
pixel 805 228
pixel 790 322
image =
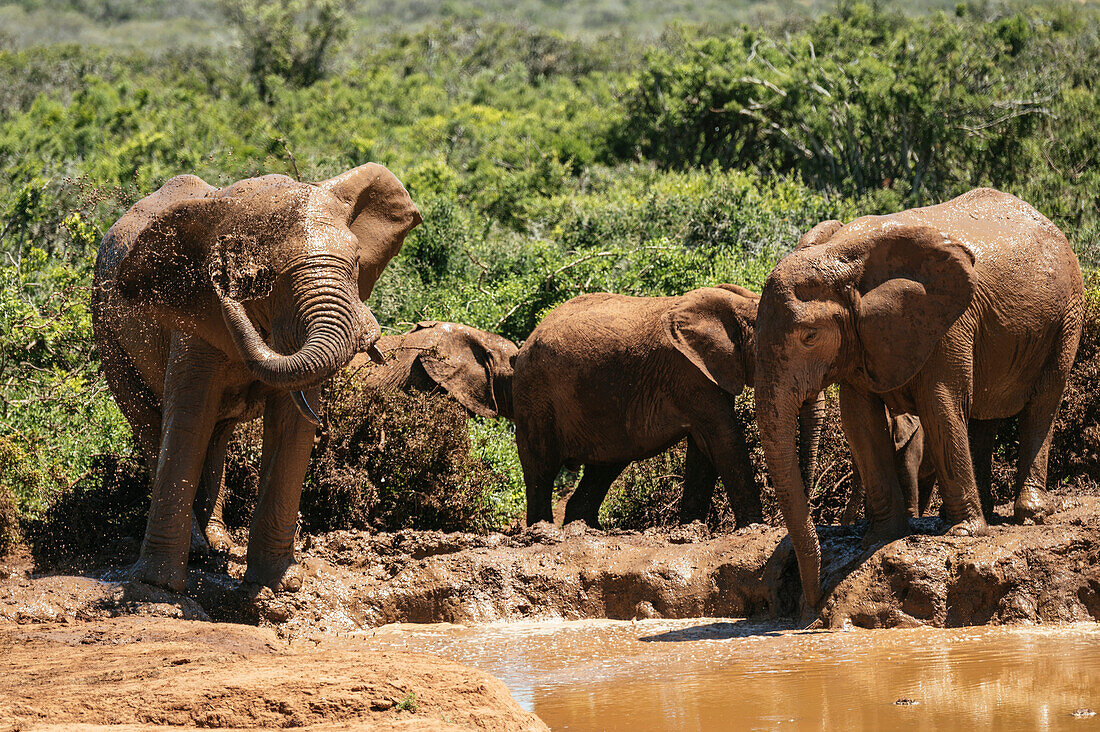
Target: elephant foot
pixel 217 537
pixel 281 574
pixel 970 527
pixel 1034 505
pixel 160 571
pixel 200 546
pixel 885 531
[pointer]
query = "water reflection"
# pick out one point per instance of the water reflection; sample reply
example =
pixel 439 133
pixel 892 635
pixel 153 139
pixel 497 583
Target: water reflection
pixel 719 675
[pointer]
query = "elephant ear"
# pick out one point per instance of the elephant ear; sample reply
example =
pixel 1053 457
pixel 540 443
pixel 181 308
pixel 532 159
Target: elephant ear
pixel 713 328
pixel 163 242
pixel 916 283
pixel 902 427
pixel 380 214
pixel 461 362
pixel 820 234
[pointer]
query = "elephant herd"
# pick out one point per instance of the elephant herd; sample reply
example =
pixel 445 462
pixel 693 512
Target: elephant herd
pixel 212 306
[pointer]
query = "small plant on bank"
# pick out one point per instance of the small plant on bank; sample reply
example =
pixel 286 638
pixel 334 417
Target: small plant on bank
pixel 408 704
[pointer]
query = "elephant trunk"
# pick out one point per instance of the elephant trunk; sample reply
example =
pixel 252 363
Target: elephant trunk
pixel 330 323
pixel 778 419
pixel 811 419
pixel 502 391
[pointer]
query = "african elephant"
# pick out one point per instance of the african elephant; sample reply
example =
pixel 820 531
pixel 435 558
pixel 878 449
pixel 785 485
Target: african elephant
pixel 472 366
pixel 212 305
pixel 970 309
pixel 608 379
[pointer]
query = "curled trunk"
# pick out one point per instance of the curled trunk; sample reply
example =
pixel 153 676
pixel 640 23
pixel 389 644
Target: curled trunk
pixel 335 325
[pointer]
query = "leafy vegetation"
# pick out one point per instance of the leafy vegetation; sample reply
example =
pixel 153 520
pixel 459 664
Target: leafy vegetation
pixel 546 165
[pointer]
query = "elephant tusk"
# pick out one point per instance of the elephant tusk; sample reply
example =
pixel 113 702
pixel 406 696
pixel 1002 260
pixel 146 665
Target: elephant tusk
pixel 300 401
pixel 375 354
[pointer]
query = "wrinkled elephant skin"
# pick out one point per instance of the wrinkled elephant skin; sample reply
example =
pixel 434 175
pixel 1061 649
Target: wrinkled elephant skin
pixel 967 310
pixel 214 305
pixel 608 379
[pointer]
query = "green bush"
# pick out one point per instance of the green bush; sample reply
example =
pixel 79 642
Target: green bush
pixel 391 460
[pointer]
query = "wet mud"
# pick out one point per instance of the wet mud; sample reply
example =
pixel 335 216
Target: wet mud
pixel 306 664
pixel 1046 573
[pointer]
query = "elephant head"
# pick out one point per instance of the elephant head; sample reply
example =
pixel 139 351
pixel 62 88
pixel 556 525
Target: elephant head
pixel 714 327
pixel 864 304
pixel 473 366
pixel 266 259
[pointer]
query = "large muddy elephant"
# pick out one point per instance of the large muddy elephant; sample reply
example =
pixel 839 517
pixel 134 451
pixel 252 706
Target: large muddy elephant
pixel 214 305
pixel 608 379
pixel 472 366
pixel 970 309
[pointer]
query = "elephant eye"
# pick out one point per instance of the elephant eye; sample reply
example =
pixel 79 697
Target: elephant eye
pixel 809 336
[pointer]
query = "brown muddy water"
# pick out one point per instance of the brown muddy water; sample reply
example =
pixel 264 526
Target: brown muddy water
pixel 738 675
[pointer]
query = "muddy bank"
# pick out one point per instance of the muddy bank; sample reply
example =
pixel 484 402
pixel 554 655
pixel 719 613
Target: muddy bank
pixel 1018 574
pixel 153 672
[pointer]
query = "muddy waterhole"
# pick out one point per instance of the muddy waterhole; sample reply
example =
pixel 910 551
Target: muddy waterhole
pixel 727 674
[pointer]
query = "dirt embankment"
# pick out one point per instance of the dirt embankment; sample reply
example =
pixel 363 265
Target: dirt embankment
pixel 1017 574
pixel 103 651
pixel 156 672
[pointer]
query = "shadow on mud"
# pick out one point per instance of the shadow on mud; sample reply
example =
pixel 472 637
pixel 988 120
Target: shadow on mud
pixel 721 630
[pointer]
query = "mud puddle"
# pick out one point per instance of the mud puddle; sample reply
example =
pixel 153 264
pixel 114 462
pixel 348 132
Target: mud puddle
pixel 728 674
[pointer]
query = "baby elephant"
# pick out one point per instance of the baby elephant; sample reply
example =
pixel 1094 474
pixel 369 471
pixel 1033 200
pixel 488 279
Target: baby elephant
pixel 608 379
pixel 473 366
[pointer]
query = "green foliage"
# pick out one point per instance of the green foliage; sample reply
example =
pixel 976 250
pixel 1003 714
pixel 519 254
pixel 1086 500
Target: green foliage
pixel 408 703
pixel 55 413
pixel 288 39
pixel 546 165
pixel 900 112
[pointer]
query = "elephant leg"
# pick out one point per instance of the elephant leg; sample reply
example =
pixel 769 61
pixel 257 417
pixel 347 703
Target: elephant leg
pixel 926 483
pixel 540 470
pixel 287 444
pixel 192 396
pixel 211 494
pixel 856 498
pixel 723 444
pixel 863 417
pixel 983 437
pixel 1036 429
pixel 137 402
pixel 699 479
pixel 943 417
pixel 907 461
pixel 584 504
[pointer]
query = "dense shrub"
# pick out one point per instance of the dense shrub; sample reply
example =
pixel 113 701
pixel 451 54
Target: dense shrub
pixel 102 514
pixel 389 460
